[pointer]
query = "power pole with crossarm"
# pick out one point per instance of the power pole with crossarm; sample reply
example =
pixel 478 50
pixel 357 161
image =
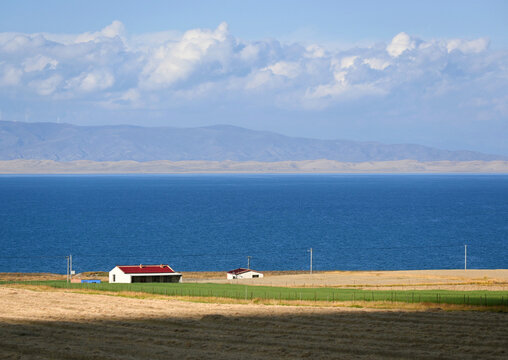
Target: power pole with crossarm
pixel 310 251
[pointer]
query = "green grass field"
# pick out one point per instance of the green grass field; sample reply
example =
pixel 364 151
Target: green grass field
pixel 234 291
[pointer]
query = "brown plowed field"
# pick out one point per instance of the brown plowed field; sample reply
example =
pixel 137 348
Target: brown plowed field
pixel 66 325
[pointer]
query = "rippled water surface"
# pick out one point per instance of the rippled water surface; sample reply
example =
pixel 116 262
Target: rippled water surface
pixel 213 222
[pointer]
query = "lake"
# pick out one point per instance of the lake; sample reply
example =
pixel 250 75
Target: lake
pixel 213 222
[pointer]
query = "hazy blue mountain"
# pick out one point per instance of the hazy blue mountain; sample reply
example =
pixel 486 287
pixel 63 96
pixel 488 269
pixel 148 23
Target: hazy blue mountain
pixel 64 142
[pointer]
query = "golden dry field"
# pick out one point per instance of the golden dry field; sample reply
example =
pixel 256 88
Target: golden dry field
pixel 44 323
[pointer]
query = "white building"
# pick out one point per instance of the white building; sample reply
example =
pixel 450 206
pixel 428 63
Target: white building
pixel 126 274
pixel 242 273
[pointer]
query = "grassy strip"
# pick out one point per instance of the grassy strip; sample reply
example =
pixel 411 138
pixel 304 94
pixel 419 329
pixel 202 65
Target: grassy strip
pixel 245 292
pixel 382 305
pixel 482 283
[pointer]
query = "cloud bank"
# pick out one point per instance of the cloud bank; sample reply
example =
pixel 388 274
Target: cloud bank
pixel 111 69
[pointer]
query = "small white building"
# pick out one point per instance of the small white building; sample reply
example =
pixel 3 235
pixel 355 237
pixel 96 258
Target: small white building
pixel 126 274
pixel 242 273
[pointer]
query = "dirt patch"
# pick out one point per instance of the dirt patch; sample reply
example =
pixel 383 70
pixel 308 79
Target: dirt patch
pixel 30 276
pixel 101 275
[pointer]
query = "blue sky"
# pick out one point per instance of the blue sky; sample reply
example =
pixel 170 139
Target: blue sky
pixel 429 72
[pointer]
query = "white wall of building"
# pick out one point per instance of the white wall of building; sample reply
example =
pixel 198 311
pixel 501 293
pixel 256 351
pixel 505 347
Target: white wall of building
pixel 117 276
pixel 245 275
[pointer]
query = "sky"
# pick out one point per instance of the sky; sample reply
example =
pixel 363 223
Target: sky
pixel 429 72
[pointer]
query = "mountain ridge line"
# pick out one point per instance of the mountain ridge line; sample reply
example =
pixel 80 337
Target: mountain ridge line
pixel 66 142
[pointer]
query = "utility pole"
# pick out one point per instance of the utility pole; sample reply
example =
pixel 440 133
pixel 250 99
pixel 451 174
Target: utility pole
pixel 70 267
pixel 310 251
pixel 465 257
pixel 67 270
pixel 248 262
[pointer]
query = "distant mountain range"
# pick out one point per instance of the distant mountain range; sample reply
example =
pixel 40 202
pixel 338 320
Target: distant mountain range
pixel 65 142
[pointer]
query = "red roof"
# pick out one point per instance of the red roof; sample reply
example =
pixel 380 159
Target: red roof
pixel 238 271
pixel 145 269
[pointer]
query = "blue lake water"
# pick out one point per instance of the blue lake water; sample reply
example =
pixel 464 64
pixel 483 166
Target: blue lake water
pixel 213 222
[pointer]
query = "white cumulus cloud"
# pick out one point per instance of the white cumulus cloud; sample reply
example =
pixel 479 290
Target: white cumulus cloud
pixel 39 63
pixel 92 81
pixel 376 63
pixel 468 46
pixel 116 28
pixel 169 69
pixel 176 60
pixel 10 75
pixel 284 68
pixel 400 43
pixel 46 86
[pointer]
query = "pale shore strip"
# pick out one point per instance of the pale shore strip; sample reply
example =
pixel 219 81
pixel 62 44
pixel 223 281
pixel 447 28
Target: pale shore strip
pixel 22 166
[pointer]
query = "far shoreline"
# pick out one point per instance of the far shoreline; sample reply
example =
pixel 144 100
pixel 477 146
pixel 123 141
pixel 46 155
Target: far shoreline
pixel 303 167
